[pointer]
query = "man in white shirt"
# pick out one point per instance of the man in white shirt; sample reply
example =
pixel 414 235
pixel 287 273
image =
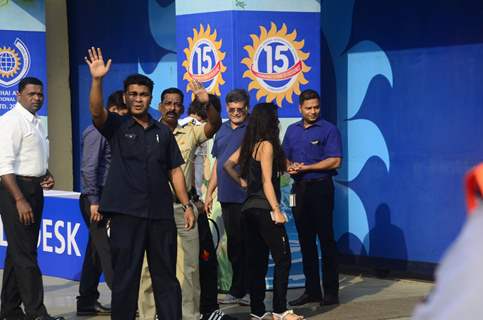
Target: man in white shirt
pixel 24 154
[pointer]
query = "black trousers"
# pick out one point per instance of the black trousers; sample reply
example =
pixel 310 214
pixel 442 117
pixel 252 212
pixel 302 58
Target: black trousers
pixel 22 280
pixel 231 214
pixel 262 237
pixel 314 218
pixel 208 267
pixel 130 238
pixel 97 258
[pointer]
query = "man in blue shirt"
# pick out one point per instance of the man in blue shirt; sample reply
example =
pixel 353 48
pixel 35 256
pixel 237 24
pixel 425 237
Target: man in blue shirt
pixel 96 158
pixel 313 149
pixel 230 194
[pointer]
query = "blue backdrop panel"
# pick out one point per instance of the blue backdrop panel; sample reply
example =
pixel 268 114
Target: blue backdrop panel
pixel 137 36
pixel 404 77
pixel 205 44
pixel 285 56
pixel 22 49
pixel 22 54
pixel 294 45
pixel 273 55
pixel 62 240
pixel 400 79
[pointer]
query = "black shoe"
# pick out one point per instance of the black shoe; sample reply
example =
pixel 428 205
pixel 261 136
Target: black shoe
pixel 18 317
pixel 47 317
pixel 329 300
pixel 303 299
pixel 15 316
pixel 93 310
pixel 216 315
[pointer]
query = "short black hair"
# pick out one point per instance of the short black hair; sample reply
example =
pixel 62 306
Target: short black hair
pixel 29 80
pixel 308 94
pixel 172 90
pixel 198 109
pixel 116 99
pixel 138 79
pixel 238 95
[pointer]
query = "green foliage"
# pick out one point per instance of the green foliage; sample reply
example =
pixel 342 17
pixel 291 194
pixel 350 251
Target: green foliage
pixel 285 180
pixel 240 4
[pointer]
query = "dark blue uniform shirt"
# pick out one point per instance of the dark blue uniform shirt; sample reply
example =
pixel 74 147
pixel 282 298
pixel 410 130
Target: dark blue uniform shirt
pixel 138 179
pixel 311 145
pixel 227 140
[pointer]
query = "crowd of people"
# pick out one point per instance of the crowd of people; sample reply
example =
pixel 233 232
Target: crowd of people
pixel 143 202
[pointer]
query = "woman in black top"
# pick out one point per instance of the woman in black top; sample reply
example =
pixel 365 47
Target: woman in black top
pixel 262 161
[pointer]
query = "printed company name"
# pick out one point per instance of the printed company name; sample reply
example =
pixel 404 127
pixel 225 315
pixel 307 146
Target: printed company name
pixel 57 237
pixel 7 99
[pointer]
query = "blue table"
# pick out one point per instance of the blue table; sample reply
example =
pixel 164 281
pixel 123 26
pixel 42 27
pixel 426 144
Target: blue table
pixel 63 239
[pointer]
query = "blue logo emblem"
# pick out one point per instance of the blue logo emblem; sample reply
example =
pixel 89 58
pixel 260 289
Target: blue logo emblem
pixel 14 63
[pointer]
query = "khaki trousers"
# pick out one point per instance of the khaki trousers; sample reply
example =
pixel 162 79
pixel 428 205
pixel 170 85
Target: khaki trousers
pixel 187 272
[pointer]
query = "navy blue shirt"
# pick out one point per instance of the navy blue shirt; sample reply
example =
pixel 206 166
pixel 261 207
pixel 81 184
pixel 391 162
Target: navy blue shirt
pixel 311 145
pixel 227 140
pixel 138 179
pixel 96 158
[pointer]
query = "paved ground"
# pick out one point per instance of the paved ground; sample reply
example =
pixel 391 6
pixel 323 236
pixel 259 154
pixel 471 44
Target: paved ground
pixel 362 298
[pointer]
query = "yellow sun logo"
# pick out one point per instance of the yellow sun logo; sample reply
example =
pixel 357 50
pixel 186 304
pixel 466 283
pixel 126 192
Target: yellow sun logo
pixel 204 60
pixel 276 64
pixel 9 62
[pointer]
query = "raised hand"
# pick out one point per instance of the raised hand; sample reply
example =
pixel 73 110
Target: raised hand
pixel 96 64
pixel 199 91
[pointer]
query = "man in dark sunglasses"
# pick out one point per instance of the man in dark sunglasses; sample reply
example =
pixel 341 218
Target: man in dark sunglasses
pixel 230 194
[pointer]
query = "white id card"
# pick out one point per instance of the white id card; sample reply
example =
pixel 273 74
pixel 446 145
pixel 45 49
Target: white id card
pixel 291 200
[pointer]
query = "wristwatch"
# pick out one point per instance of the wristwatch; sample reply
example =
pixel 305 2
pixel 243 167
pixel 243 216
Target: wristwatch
pixel 186 206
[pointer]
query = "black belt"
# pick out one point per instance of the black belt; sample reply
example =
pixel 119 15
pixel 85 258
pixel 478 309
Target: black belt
pixel 29 179
pixel 308 181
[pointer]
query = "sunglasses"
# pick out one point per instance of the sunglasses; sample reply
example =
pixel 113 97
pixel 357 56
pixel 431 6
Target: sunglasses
pixel 237 110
